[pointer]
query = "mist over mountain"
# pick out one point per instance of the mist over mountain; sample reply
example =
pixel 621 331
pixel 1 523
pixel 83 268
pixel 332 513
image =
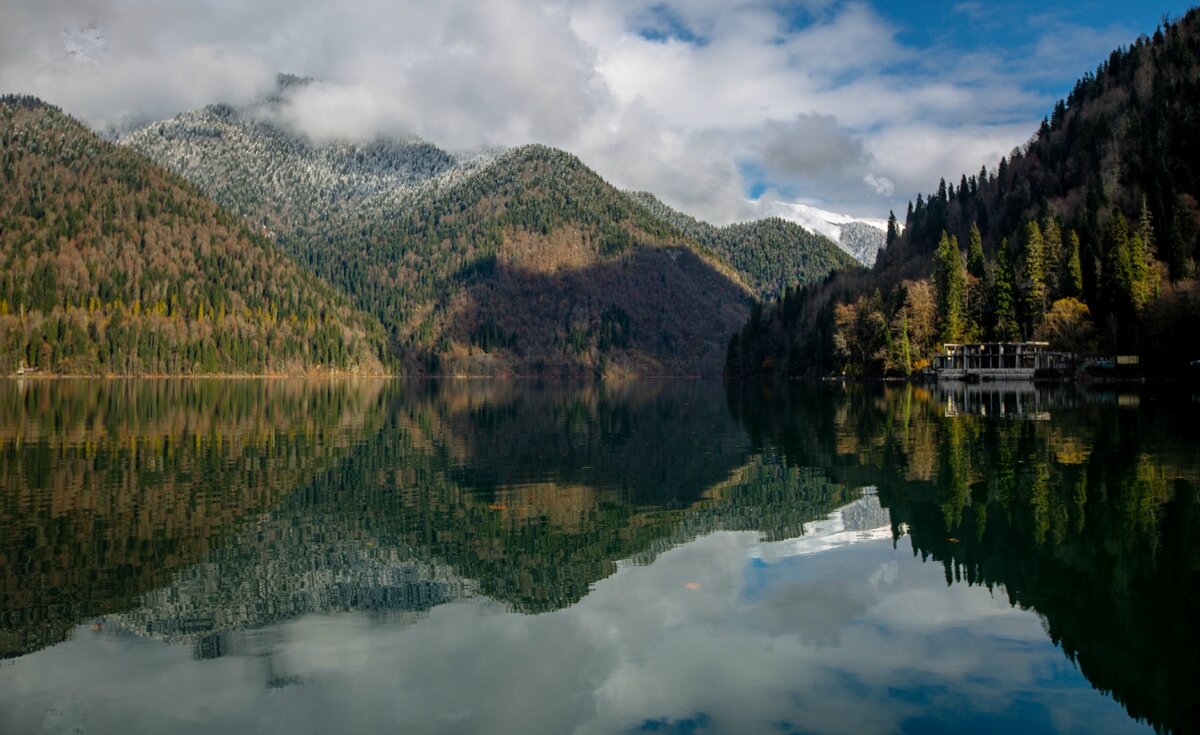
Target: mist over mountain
pixel 252 161
pixel 861 238
pixel 517 262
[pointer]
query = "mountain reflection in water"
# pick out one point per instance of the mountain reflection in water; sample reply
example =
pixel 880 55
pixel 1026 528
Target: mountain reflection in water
pixel 234 516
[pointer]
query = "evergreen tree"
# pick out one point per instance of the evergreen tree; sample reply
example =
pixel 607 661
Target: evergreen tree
pixel 1116 273
pixel 950 281
pixel 1053 239
pixel 976 263
pixel 976 287
pixel 1141 259
pixel 1003 297
pixel 1073 272
pixel 1033 283
pixel 902 345
pixel 1177 249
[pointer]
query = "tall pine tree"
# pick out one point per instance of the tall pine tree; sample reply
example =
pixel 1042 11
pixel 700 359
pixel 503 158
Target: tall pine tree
pixel 1053 240
pixel 1033 281
pixel 1073 270
pixel 950 282
pixel 1003 297
pixel 976 263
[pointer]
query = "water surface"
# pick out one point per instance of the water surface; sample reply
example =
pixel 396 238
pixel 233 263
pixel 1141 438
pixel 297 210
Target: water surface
pixel 366 556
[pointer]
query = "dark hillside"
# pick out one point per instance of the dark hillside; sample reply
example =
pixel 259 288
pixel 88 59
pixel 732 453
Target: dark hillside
pixel 536 265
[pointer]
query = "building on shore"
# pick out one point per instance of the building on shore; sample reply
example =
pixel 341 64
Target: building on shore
pixel 1000 361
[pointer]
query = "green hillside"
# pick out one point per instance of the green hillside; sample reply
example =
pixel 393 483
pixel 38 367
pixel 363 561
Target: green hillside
pixel 112 265
pixel 771 254
pixel 534 265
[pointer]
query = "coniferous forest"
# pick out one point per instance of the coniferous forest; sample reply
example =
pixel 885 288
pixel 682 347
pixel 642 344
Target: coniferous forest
pixel 1085 237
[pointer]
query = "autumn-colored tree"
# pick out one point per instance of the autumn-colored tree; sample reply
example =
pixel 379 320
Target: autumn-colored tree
pixel 912 328
pixel 860 336
pixel 1068 326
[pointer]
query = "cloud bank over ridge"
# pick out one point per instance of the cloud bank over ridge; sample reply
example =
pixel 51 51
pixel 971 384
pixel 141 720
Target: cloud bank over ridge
pixel 706 103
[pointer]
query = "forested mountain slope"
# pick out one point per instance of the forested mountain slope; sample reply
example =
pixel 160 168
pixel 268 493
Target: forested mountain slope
pixel 523 262
pixel 772 254
pixel 1087 237
pixel 112 265
pixel 533 264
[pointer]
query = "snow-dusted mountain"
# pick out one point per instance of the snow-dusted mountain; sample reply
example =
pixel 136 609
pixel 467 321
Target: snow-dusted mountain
pixel 861 237
pixel 254 165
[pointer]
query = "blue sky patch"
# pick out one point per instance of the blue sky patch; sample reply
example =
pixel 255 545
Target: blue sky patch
pixel 663 23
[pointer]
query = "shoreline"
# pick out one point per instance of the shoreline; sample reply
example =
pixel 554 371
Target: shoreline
pixel 339 376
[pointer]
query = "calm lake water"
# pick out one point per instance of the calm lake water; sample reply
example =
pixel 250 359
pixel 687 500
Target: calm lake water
pixel 675 557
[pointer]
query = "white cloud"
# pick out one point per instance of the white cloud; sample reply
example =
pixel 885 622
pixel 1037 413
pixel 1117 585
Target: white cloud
pixel 681 98
pixel 881 184
pixel 922 153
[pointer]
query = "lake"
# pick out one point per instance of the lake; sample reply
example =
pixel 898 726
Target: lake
pixel 214 556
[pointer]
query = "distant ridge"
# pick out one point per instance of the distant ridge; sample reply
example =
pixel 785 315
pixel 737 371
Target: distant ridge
pixel 772 254
pixel 862 238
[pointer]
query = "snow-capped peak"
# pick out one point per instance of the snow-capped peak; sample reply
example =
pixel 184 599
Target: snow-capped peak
pixel 817 220
pixel 861 237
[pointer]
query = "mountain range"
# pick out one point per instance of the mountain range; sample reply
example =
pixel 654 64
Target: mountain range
pixel 527 262
pixel 862 238
pixel 518 262
pixel 220 241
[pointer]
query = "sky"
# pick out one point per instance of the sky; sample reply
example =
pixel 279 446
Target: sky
pixel 720 107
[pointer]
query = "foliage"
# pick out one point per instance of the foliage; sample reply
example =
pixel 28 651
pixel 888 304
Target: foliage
pixel 1068 326
pixel 949 278
pixel 112 265
pixel 860 333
